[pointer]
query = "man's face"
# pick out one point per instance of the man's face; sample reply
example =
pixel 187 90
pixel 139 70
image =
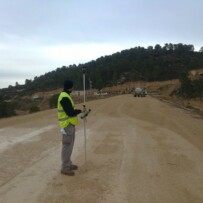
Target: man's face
pixel 70 90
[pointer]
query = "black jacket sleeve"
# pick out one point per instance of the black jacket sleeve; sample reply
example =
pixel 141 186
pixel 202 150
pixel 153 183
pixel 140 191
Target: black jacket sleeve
pixel 67 107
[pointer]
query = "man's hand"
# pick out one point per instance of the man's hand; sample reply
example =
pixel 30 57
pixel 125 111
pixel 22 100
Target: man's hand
pixel 85 113
pixel 63 132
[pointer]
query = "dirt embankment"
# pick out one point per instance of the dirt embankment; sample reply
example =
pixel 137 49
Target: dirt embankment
pixel 163 90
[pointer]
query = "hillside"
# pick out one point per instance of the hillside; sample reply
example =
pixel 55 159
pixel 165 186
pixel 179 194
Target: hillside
pixel 126 68
pixel 147 64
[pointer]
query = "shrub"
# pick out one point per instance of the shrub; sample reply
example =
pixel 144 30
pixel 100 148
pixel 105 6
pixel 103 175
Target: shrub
pixel 34 109
pixel 191 88
pixel 6 109
pixel 53 101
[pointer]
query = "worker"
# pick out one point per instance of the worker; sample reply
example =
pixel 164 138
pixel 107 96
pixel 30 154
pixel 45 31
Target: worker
pixel 67 117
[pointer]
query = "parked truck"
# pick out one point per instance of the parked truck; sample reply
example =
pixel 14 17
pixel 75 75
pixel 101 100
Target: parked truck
pixel 140 92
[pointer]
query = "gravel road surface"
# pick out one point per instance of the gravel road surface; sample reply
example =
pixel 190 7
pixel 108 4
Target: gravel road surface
pixel 139 150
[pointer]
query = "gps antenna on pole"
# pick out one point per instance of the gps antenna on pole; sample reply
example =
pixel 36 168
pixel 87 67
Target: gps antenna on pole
pixel 84 119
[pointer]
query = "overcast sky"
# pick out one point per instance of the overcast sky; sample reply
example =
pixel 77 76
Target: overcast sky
pixel 38 36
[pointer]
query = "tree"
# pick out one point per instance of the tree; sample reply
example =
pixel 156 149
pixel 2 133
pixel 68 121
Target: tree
pixel 6 109
pixel 150 48
pixel 201 50
pixel 186 87
pixel 99 84
pixel 157 47
pixel 53 101
pixel 34 109
pixel 27 82
pixel 152 63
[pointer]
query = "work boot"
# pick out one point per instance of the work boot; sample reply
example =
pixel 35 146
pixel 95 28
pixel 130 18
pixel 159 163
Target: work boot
pixel 68 172
pixel 73 167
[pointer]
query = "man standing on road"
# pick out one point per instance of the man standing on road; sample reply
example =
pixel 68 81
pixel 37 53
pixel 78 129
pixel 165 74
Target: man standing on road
pixel 67 117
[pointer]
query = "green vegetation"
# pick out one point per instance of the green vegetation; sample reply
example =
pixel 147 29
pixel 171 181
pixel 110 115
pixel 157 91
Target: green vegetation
pixel 34 109
pixel 53 101
pixel 191 88
pixel 6 109
pixel 147 64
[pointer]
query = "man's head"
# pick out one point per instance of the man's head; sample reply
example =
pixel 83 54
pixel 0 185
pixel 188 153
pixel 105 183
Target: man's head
pixel 68 85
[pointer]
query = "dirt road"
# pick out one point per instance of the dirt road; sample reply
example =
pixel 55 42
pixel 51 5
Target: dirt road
pixel 139 150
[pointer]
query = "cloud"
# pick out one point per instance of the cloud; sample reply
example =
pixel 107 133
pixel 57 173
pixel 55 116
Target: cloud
pixel 79 53
pixel 28 61
pixel 39 36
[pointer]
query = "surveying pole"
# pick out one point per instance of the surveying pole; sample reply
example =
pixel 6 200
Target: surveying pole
pixel 84 119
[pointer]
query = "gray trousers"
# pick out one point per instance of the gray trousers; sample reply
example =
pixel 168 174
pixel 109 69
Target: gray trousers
pixel 67 146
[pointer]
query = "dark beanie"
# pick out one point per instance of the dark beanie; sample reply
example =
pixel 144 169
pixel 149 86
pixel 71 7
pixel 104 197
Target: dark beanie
pixel 68 84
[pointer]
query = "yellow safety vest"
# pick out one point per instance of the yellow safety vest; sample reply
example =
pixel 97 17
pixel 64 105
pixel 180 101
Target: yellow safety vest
pixel 63 119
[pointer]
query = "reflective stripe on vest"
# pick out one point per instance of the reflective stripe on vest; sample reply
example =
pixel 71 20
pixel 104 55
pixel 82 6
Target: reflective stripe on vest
pixel 61 110
pixel 63 118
